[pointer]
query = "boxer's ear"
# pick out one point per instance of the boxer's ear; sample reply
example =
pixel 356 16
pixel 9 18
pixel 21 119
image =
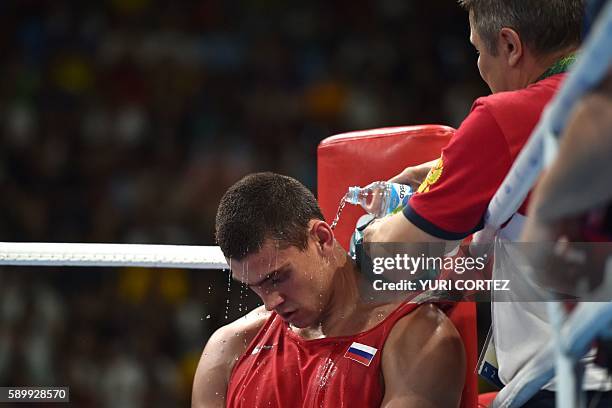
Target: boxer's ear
pixel 323 235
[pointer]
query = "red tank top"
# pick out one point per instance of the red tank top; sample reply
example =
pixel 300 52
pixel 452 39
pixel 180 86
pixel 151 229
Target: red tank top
pixel 281 369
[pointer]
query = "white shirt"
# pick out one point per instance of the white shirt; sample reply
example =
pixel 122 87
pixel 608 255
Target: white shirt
pixel 521 327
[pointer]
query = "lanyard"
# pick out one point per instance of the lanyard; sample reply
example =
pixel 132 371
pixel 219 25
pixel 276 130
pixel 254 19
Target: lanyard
pixel 558 67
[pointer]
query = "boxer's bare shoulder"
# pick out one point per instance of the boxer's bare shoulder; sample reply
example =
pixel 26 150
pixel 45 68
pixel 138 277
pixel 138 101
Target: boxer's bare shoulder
pixel 423 352
pixel 222 350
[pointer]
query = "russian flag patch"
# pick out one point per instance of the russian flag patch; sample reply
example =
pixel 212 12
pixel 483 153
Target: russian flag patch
pixel 361 353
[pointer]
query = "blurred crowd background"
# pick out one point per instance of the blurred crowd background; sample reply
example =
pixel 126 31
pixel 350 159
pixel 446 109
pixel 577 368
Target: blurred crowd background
pixel 125 121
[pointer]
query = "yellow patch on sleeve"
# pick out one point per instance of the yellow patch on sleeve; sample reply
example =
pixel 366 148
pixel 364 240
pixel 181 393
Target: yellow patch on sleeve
pixel 432 177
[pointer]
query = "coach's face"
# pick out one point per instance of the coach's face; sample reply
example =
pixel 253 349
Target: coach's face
pixel 292 282
pixel 492 68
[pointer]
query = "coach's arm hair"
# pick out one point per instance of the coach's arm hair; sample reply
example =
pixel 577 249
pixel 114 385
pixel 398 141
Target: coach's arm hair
pixel 423 362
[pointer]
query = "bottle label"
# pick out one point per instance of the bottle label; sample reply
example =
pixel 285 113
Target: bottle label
pixel 400 193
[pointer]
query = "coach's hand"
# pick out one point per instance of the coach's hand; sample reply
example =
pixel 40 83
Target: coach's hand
pixel 413 175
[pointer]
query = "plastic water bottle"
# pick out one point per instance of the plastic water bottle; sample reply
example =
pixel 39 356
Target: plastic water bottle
pixel 380 198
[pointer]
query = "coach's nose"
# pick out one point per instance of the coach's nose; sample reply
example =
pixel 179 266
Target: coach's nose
pixel 272 300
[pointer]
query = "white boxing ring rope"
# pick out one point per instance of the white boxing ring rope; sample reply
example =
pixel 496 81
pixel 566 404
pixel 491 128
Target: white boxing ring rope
pixel 133 255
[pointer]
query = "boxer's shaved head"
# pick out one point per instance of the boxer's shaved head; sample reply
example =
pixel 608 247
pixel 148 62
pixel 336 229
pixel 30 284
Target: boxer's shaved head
pixel 545 26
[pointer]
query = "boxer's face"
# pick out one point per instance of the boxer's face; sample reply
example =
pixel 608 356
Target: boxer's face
pixel 292 282
pixel 492 68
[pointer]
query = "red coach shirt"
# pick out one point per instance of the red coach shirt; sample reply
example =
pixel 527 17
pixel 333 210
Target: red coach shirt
pixel 451 202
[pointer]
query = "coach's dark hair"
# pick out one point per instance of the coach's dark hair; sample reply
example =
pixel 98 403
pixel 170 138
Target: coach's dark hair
pixel 262 206
pixel 544 25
